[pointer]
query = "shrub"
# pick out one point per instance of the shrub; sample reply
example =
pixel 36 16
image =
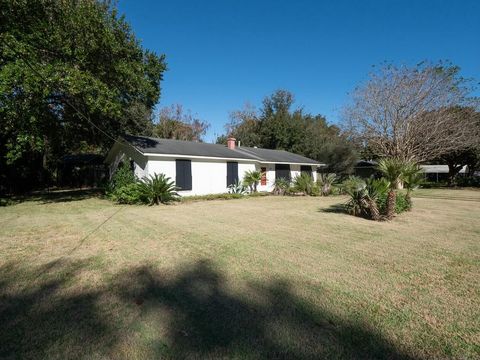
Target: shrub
pixel 123 176
pixel 123 188
pixel 237 188
pixel 401 203
pixel 326 182
pixel 157 189
pixel 281 186
pixel 303 183
pixel 471 181
pixel 251 179
pixel 127 194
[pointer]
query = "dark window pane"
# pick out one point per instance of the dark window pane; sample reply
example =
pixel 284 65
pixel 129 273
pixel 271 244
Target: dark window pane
pixel 183 177
pixel 232 173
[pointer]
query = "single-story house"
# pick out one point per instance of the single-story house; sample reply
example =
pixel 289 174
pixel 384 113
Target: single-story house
pixel 436 173
pixel 199 168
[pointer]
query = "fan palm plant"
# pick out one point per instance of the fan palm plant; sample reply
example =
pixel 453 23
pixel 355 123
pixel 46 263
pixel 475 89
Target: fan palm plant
pixel 357 205
pixel 375 188
pixel 392 170
pixel 326 181
pixel 303 183
pixel 281 186
pixel 158 189
pixel 412 179
pixel 251 179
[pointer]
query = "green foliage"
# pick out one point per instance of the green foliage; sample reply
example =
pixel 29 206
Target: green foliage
pixel 357 204
pixel 122 177
pixel 369 198
pixel 401 203
pixel 351 183
pixel 281 187
pixel 326 182
pixel 128 194
pixel 277 126
pixel 56 53
pixel 304 183
pixel 393 170
pixel 237 188
pixel 251 179
pixel 157 189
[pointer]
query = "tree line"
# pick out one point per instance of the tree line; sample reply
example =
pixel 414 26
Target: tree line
pixel 74 77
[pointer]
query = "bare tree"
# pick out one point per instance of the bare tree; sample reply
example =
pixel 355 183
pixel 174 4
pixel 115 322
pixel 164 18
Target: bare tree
pixel 175 123
pixel 412 113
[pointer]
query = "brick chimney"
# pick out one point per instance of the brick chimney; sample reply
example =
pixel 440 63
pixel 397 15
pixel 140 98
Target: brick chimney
pixel 231 143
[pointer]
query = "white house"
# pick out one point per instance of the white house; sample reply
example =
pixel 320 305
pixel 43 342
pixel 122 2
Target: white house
pixel 200 168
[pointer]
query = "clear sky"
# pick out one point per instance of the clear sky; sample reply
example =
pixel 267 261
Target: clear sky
pixel 224 53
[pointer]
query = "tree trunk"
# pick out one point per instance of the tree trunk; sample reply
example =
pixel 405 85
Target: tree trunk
pixel 374 212
pixel 453 171
pixel 391 200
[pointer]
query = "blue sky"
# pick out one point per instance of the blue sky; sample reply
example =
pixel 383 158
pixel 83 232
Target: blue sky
pixel 221 54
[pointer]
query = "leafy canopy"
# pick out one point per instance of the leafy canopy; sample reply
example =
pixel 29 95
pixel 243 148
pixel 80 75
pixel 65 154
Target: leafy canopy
pixel 58 56
pixel 277 126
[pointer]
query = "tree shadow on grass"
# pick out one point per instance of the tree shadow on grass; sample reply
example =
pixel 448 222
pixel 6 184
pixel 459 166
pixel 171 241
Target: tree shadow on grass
pixel 58 196
pixel 335 208
pixel 206 319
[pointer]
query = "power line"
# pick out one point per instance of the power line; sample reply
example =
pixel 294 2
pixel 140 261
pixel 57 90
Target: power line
pixel 47 82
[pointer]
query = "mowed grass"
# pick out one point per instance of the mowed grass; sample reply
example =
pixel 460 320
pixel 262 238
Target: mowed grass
pixel 269 277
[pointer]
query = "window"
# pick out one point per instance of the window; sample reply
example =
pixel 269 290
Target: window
pixel 263 180
pixel 232 173
pixel 282 171
pixel 183 174
pixel 305 169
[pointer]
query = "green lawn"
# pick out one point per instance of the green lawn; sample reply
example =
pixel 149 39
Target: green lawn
pixel 268 277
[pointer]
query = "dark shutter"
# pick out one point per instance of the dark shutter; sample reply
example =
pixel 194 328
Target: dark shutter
pixel 282 171
pixel 232 173
pixel 305 169
pixel 183 177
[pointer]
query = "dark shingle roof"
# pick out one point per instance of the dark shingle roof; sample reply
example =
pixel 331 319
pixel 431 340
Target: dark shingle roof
pixel 179 147
pixel 276 155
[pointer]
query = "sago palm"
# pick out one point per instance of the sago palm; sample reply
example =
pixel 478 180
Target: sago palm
pixel 158 189
pixel 393 171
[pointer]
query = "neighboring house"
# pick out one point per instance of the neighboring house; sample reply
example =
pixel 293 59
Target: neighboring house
pixel 200 168
pixel 434 173
pixel 438 173
pixel 366 168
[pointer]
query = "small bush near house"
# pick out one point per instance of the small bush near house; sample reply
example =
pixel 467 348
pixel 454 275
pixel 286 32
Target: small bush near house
pixel 251 179
pixel 157 189
pixel 281 187
pixel 326 183
pixel 237 188
pixel 125 188
pixel 127 194
pixel 304 184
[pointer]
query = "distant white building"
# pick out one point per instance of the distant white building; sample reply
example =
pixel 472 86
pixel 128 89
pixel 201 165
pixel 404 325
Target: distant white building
pixel 200 168
pixel 438 172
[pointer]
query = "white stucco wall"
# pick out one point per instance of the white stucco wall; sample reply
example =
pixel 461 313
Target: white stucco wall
pixel 125 154
pixel 208 176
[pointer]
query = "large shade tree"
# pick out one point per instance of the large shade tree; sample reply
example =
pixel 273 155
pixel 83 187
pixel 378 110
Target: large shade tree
pixel 412 113
pixel 277 126
pixel 72 77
